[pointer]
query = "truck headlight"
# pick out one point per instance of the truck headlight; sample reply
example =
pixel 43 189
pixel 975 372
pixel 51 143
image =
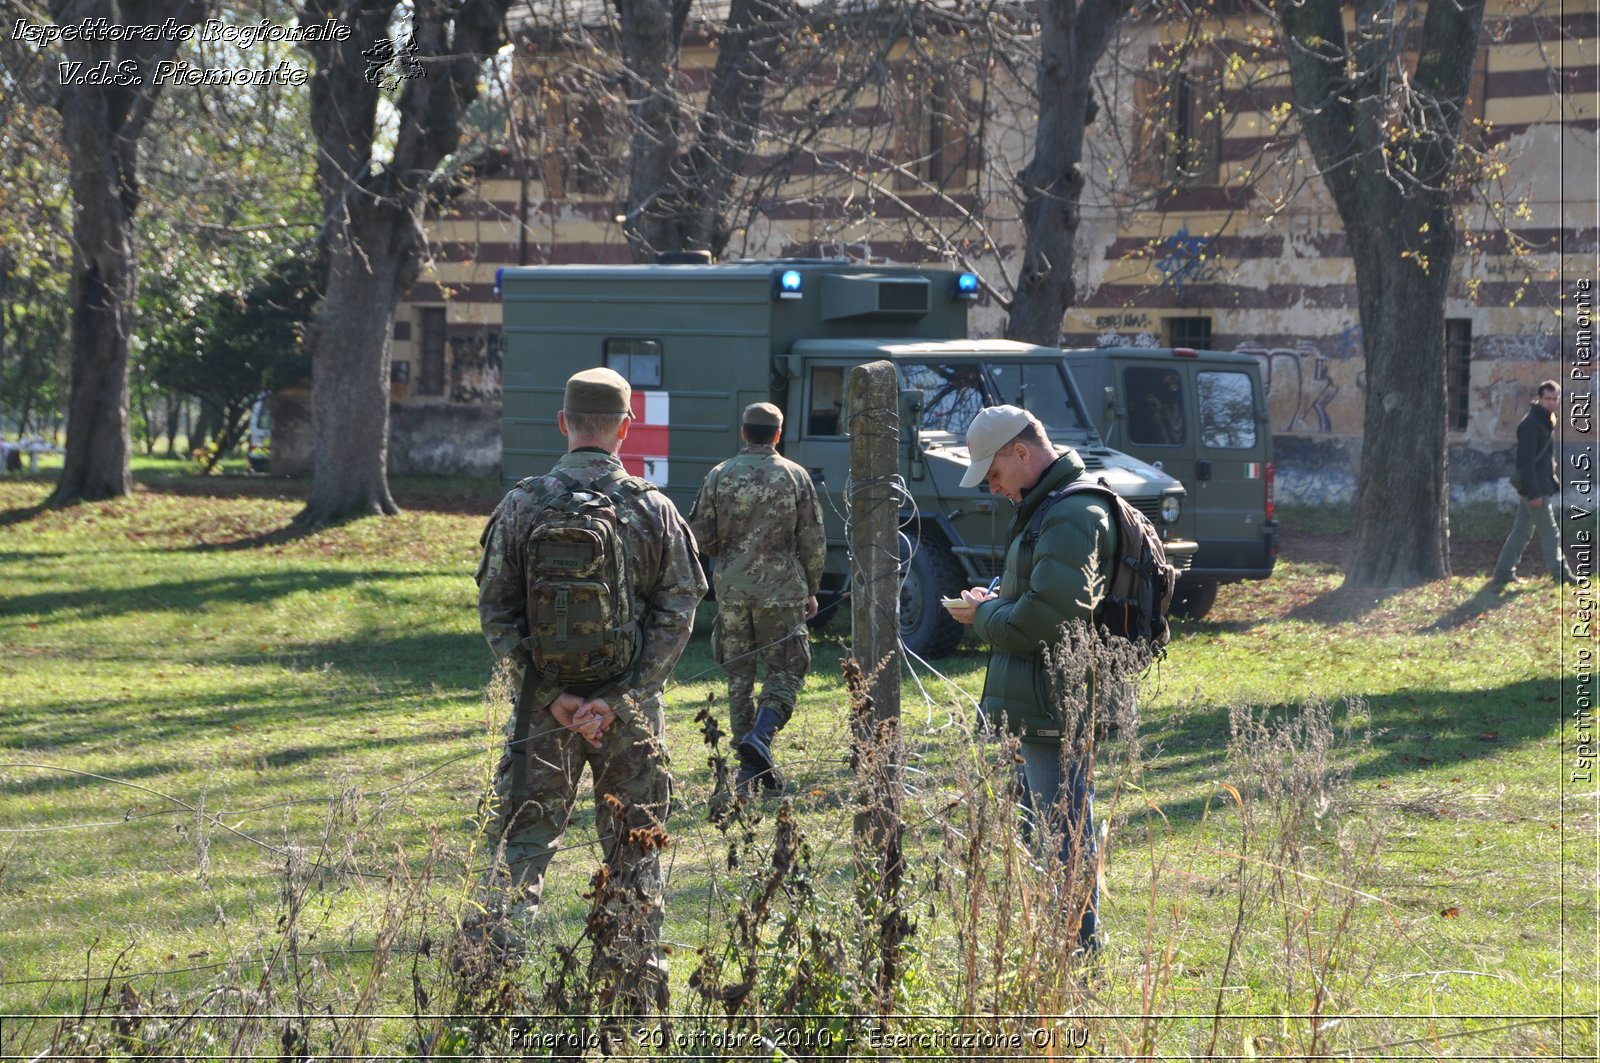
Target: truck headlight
pixel 1171 506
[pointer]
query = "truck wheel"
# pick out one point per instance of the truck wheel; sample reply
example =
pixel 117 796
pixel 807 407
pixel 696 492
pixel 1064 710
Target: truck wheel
pixel 1193 600
pixel 934 573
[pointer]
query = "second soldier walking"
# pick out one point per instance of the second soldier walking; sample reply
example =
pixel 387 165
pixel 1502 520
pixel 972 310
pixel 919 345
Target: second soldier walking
pixel 758 520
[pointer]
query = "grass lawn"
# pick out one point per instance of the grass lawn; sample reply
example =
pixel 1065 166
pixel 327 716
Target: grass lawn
pixel 199 706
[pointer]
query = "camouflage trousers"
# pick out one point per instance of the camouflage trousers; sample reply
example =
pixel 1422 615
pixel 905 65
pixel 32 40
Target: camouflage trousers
pixel 632 789
pixel 745 636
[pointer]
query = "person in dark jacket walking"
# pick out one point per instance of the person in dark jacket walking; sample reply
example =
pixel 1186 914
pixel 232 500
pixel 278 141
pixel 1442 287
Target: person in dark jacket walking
pixel 1044 586
pixel 1536 483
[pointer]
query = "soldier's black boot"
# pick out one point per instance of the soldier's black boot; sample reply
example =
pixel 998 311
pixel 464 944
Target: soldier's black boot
pixel 755 748
pixel 744 783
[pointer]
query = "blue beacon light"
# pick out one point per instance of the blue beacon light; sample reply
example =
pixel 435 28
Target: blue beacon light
pixel 789 284
pixel 967 286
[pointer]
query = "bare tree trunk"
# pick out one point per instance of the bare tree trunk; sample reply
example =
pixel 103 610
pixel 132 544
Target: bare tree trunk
pixel 103 289
pixel 652 36
pixel 749 58
pixel 101 126
pixel 174 410
pixel 350 379
pixel 1387 148
pixel 1073 37
pixel 1402 496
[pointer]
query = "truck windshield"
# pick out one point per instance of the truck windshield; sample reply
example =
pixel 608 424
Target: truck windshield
pixel 953 393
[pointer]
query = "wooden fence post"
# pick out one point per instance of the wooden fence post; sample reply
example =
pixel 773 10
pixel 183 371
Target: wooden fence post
pixel 874 513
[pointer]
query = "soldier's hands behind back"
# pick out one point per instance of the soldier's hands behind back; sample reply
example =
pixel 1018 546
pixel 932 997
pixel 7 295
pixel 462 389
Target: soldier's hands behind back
pixel 565 708
pixel 588 718
pixel 592 720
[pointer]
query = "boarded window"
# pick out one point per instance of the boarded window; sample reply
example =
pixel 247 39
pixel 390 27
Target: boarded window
pixel 1458 371
pixel 582 131
pixel 431 372
pixel 1178 125
pixel 935 141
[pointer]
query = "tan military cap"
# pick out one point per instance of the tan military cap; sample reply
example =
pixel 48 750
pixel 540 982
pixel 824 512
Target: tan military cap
pixel 597 390
pixel 763 413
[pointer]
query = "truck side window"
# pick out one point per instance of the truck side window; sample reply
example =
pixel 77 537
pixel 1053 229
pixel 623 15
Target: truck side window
pixel 952 394
pixel 639 361
pixel 825 404
pixel 1155 407
pixel 1227 410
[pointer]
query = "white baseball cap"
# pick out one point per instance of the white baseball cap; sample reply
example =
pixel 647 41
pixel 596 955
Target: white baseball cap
pixel 992 429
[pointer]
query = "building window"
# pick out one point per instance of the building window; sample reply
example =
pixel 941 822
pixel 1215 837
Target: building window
pixel 1458 371
pixel 431 372
pixel 933 139
pixel 638 361
pixel 1193 332
pixel 1179 125
pixel 582 130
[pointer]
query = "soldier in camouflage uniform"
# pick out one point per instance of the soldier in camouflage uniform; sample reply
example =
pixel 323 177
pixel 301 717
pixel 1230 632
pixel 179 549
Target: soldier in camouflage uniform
pixel 757 517
pixel 616 730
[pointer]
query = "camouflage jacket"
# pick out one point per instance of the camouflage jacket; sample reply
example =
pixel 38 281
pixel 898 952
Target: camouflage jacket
pixel 666 572
pixel 757 516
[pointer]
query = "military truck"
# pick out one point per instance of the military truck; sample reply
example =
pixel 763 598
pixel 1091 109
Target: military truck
pixel 701 342
pixel 1202 417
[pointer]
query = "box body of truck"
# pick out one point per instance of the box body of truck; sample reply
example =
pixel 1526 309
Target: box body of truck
pixel 699 343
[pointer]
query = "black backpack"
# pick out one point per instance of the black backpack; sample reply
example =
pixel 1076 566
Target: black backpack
pixel 1138 594
pixel 583 630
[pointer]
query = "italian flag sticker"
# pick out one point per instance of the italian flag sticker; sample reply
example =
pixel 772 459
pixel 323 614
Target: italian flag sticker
pixel 1252 470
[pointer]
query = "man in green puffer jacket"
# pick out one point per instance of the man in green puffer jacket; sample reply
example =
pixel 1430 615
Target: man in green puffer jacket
pixel 1044 587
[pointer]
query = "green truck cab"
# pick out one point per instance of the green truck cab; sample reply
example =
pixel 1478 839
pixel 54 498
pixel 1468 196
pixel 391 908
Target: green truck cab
pixel 1202 417
pixel 700 342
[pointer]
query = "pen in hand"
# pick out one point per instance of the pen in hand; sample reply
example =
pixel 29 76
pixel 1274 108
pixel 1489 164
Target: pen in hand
pixel 992 585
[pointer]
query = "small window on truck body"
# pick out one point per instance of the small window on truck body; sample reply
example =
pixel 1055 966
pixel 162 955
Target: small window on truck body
pixel 1227 410
pixel 1155 407
pixel 639 361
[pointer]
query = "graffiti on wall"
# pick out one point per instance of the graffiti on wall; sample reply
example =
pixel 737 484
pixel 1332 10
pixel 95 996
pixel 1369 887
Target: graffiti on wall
pixel 1187 259
pixel 475 367
pixel 1296 379
pixel 1129 321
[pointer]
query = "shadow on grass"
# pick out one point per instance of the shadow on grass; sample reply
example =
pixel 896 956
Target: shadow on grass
pixel 301 758
pixel 20 515
pixel 1412 731
pixel 189 596
pixel 1488 598
pixel 289 533
pixel 364 681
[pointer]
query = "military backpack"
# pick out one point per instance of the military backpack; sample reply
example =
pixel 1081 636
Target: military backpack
pixel 1138 593
pixel 583 629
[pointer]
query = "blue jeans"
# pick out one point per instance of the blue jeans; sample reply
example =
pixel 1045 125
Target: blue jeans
pixel 1531 518
pixel 1041 784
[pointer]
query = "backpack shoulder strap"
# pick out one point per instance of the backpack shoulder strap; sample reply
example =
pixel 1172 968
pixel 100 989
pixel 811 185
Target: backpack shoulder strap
pixel 621 486
pixel 1036 520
